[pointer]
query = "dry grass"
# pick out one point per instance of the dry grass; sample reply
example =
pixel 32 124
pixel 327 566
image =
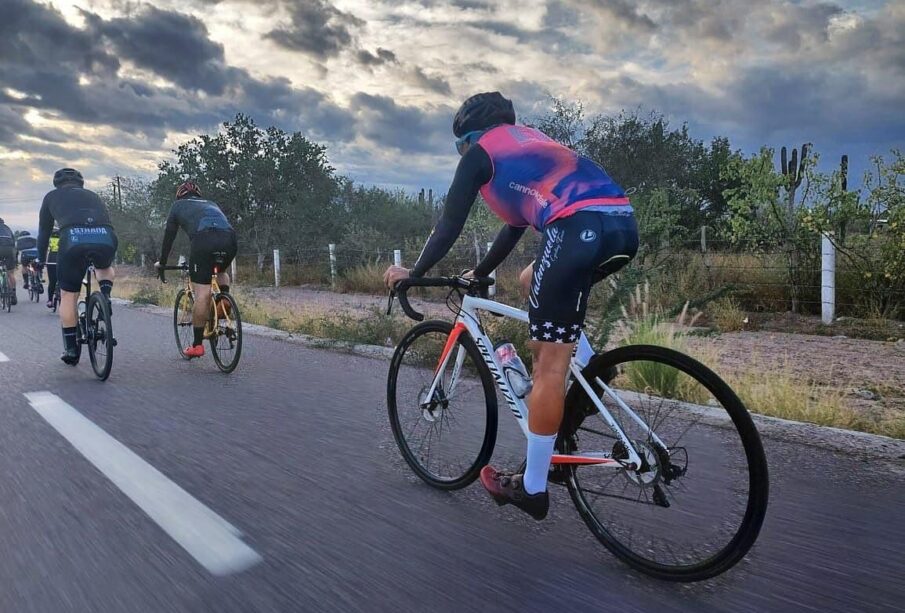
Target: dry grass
pixel 726 314
pixel 363 279
pixel 766 390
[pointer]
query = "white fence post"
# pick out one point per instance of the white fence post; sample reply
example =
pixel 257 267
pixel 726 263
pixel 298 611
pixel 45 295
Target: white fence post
pixel 332 264
pixel 276 267
pixel 491 291
pixel 142 260
pixel 397 257
pixel 828 278
pixel 232 271
pixel 703 239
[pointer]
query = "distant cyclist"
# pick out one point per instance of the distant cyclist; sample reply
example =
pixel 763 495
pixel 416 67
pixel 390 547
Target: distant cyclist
pixel 212 238
pixel 588 231
pixel 86 235
pixel 52 250
pixel 8 256
pixel 27 246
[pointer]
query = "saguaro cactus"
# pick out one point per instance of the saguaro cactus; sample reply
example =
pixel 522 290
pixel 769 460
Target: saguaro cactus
pixel 793 170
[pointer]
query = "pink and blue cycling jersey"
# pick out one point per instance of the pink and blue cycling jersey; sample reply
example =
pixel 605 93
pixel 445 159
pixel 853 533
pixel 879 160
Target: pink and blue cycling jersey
pixel 536 180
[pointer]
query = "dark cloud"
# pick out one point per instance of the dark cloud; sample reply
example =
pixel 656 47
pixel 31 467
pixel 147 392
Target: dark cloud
pixel 73 74
pixel 803 24
pixel 406 128
pixel 12 125
pixel 383 56
pixel 173 45
pixel 318 29
pixel 34 35
pixel 435 83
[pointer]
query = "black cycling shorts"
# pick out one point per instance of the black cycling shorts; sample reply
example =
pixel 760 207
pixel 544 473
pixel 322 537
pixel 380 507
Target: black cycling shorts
pixel 79 247
pixel 8 257
pixel 211 248
pixel 576 252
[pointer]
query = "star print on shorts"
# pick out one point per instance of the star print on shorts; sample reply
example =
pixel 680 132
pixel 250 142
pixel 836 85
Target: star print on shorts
pixel 553 332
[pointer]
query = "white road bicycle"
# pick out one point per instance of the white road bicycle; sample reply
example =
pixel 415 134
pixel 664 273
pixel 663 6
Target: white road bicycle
pixel 659 455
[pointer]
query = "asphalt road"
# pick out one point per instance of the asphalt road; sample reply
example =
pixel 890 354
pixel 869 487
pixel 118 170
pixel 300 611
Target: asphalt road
pixel 292 457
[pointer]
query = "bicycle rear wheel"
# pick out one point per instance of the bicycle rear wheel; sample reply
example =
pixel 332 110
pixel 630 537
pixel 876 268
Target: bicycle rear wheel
pixel 449 437
pixel 695 506
pixel 182 321
pixel 100 335
pixel 226 338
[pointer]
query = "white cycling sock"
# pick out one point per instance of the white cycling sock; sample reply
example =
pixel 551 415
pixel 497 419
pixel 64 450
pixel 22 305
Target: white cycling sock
pixel 540 451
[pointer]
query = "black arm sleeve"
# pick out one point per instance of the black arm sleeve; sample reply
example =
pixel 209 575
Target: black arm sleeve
pixel 474 170
pixel 169 236
pixel 45 227
pixel 503 245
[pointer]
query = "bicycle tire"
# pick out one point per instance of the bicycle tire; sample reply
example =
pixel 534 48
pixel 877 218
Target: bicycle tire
pixel 758 479
pixel 97 303
pixel 178 325
pixel 235 330
pixel 489 388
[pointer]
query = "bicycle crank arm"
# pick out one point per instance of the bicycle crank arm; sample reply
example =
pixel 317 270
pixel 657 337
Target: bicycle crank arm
pixel 587 460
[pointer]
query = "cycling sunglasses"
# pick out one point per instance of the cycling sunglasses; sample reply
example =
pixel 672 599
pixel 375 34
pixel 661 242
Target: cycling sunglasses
pixel 469 138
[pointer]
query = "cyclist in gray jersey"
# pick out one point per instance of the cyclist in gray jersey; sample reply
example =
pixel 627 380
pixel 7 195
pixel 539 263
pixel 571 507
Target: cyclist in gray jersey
pixel 214 244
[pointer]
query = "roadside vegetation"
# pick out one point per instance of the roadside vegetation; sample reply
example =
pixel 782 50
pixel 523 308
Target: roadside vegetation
pixel 729 241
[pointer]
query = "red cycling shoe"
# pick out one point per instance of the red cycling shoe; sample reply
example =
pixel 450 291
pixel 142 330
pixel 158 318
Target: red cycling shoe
pixel 195 351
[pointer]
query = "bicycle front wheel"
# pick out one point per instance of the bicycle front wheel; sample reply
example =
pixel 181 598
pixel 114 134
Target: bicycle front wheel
pixel 226 335
pixel 442 406
pixel 100 335
pixel 694 506
pixel 182 321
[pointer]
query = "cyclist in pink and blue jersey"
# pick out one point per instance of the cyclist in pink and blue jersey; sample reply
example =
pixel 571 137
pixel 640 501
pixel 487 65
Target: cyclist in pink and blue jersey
pixel 588 229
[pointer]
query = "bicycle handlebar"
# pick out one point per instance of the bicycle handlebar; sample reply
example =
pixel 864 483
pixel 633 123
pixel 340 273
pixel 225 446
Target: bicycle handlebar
pixel 477 285
pixel 161 271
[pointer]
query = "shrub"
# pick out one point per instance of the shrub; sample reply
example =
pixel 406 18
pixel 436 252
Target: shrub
pixel 727 315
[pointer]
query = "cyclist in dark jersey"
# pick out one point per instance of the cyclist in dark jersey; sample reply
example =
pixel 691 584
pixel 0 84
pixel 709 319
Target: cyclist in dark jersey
pixel 588 229
pixel 26 245
pixel 213 243
pixel 86 235
pixel 8 256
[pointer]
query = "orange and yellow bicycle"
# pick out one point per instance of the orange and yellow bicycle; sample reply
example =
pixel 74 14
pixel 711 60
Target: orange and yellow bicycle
pixel 223 329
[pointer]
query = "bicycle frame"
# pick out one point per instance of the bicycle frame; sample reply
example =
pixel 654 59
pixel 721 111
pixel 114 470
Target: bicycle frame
pixel 468 322
pixel 215 291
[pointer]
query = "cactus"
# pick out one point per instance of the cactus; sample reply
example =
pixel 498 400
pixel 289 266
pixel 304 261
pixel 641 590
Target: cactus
pixel 793 170
pixel 843 167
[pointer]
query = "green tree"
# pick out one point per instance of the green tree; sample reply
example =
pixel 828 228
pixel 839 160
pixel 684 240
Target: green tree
pixel 276 188
pixel 137 219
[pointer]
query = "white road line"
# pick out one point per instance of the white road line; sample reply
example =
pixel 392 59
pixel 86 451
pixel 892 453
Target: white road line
pixel 209 538
pixel 3 358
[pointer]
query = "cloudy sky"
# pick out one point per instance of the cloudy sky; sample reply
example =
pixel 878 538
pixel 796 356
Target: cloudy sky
pixel 111 86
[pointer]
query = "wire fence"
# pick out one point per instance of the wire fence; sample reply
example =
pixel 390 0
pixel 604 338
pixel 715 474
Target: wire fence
pixel 687 271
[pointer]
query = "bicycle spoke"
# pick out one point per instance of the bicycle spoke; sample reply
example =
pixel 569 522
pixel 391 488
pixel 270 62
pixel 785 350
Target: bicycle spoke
pixel 640 513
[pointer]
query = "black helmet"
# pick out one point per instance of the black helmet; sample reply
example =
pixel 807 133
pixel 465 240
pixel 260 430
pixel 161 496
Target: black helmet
pixel 24 233
pixel 483 111
pixel 68 175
